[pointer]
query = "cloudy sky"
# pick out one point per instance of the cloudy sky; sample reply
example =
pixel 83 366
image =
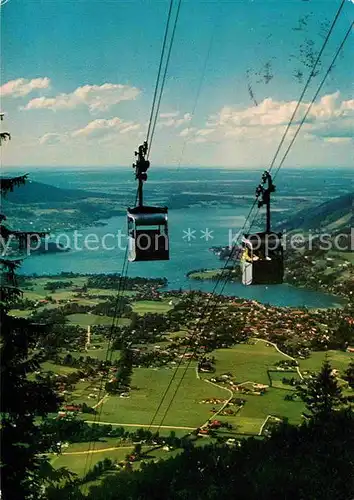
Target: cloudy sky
pixel 78 78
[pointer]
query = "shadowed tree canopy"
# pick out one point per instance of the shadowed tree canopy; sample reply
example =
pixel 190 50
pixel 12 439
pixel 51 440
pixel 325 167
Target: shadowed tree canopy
pixel 25 399
pixel 322 393
pixel 309 462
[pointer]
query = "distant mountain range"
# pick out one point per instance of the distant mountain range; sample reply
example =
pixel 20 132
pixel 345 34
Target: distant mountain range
pixel 29 200
pixel 42 207
pixel 333 215
pixel 38 192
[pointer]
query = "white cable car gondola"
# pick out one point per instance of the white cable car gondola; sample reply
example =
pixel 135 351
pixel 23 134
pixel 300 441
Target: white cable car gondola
pixel 147 226
pixel 262 261
pixel 148 234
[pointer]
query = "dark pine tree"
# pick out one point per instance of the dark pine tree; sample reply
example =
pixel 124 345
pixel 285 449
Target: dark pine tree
pixel 24 400
pixel 322 394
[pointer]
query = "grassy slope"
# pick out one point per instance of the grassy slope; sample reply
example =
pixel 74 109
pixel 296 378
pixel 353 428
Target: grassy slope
pixel 338 359
pixel 151 306
pixel 152 383
pixel 332 214
pixel 250 363
pixel 246 362
pixel 83 319
pixel 80 464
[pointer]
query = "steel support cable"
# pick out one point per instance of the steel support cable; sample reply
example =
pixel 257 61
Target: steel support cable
pixel 159 69
pixel 223 280
pixel 97 417
pixel 199 90
pixel 278 168
pixel 201 318
pixel 307 82
pixel 272 164
pixel 109 352
pixel 314 98
pixel 116 316
pixel 274 159
pixel 164 78
pixel 108 358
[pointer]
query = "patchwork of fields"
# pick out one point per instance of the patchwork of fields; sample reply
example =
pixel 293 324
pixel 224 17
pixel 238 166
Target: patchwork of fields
pixel 246 364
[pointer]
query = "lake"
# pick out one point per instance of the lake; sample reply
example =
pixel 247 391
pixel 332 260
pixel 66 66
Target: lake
pixel 218 201
pixel 184 256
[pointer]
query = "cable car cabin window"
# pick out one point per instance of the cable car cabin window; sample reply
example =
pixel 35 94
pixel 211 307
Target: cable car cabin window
pixel 262 260
pixel 148 234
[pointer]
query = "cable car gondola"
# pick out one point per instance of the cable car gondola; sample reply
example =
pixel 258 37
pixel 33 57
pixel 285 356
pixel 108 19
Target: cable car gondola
pixel 147 226
pixel 262 261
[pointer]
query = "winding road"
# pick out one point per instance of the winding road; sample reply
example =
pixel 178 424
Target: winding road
pixel 141 425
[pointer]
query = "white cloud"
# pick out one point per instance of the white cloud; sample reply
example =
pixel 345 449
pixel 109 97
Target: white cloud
pixel 197 140
pixel 187 131
pixel 173 114
pixel 204 131
pixel 102 127
pixel 130 128
pixel 22 86
pixel 329 117
pixel 337 140
pixel 51 139
pixel 249 135
pixel 95 97
pixel 172 120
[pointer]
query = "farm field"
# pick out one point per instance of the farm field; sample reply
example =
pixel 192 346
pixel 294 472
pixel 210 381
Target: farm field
pixel 152 306
pixel 205 275
pixel 250 362
pixel 36 291
pixel 185 411
pixel 276 377
pixel 79 463
pixel 83 319
pixel 193 398
pixel 107 291
pixel 98 351
pixel 19 313
pixel 251 417
pixel 59 369
pixel 338 359
pixel 247 362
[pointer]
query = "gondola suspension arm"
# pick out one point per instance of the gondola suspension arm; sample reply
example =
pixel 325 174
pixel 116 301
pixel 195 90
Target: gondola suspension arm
pixel 141 166
pixel 265 193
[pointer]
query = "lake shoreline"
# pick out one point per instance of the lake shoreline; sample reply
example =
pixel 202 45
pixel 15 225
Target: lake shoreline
pixel 214 277
pixel 165 285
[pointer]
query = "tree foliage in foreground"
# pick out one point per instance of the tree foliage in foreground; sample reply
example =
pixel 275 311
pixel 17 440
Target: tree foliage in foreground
pixel 322 393
pixel 25 399
pixel 309 462
pixel 313 461
pixel 349 374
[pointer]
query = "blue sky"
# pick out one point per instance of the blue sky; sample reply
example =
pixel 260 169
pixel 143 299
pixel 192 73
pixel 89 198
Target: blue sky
pixel 78 78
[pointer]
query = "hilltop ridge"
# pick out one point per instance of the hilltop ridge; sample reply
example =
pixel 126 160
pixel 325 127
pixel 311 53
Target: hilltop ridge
pixel 332 215
pixel 39 192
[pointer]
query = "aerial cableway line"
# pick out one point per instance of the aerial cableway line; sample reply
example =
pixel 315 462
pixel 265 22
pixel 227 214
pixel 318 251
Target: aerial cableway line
pixel 141 166
pixel 225 276
pixel 148 238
